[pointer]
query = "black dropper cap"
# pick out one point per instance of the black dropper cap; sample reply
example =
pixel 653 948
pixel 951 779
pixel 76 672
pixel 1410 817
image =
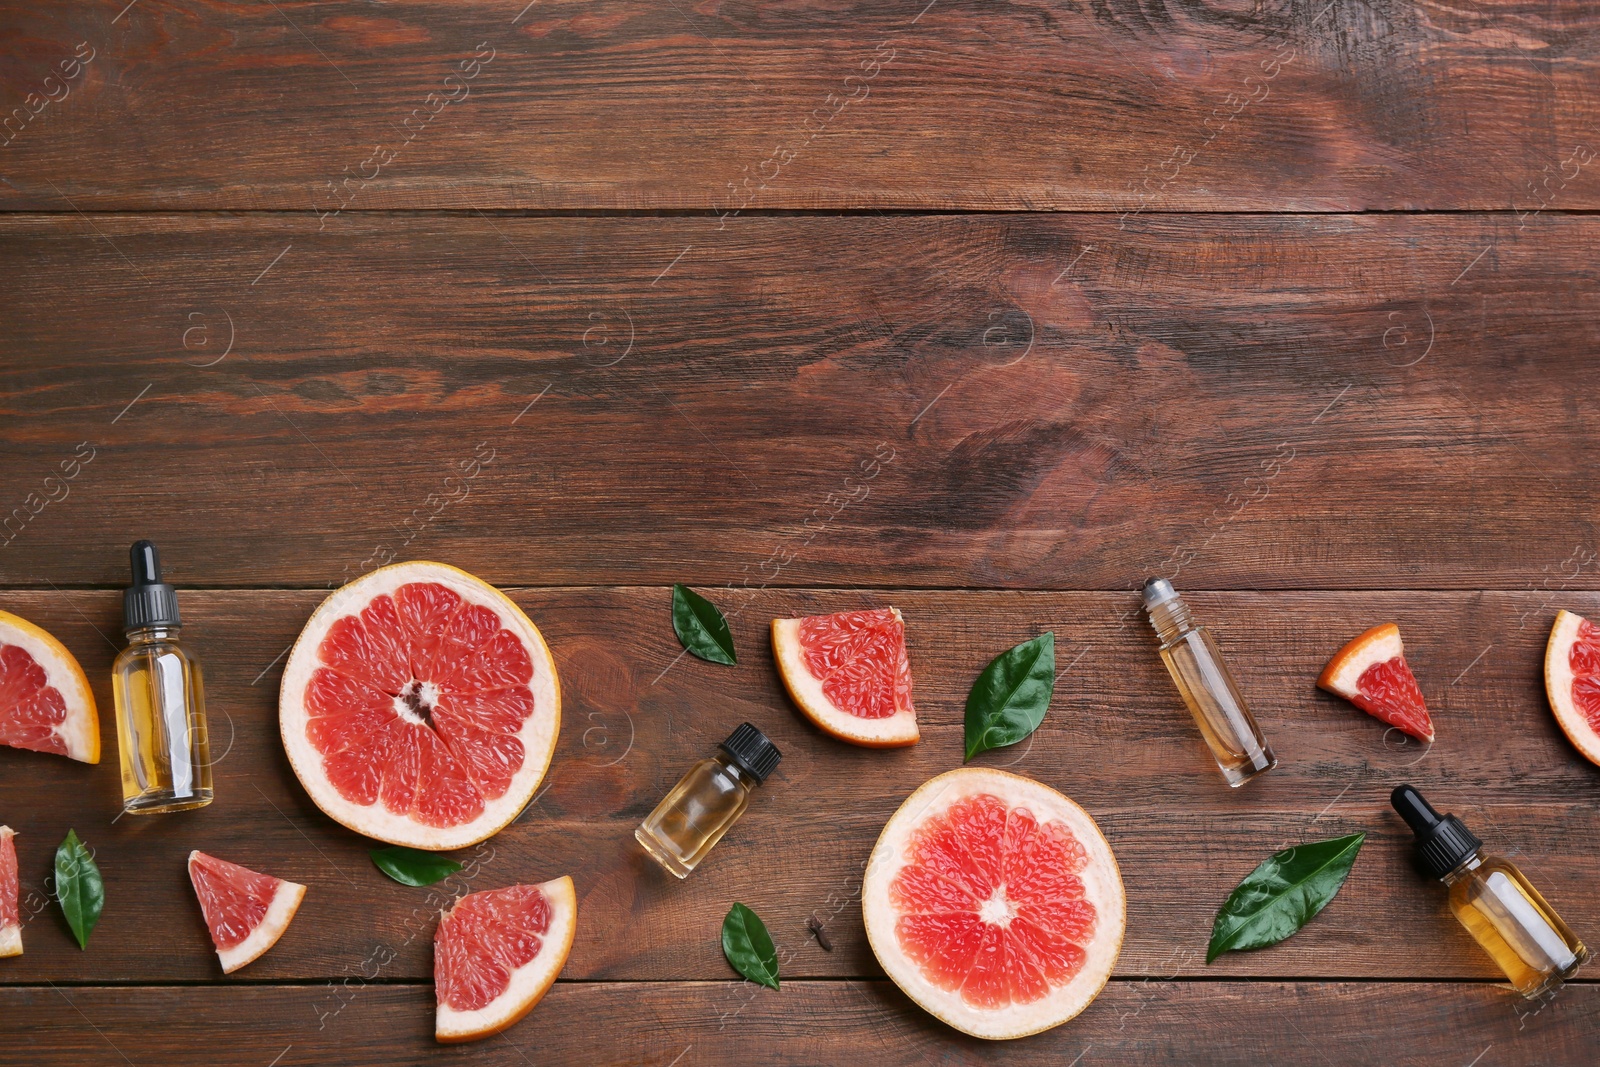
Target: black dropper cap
pixel 750 749
pixel 1443 841
pixel 148 601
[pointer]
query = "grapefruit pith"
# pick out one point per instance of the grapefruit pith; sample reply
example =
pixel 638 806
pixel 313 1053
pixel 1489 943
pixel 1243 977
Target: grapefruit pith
pixel 1572 681
pixel 496 954
pixel 10 915
pixel 420 706
pixel 1371 673
pixel 246 912
pixel 995 903
pixel 45 702
pixel 850 674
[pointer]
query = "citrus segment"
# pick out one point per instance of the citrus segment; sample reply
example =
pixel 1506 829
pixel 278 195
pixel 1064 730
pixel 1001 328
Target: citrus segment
pixel 420 707
pixel 45 702
pixel 995 903
pixel 246 912
pixel 1572 681
pixel 10 915
pixel 850 674
pixel 1371 673
pixel 496 953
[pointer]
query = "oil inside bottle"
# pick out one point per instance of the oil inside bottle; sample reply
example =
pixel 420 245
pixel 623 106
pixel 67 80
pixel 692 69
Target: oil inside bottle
pixel 161 726
pixel 694 816
pixel 1507 916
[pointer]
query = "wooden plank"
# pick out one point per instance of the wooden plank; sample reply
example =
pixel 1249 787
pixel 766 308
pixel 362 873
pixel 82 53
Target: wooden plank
pixel 1116 739
pixel 666 1024
pixel 310 106
pixel 1252 402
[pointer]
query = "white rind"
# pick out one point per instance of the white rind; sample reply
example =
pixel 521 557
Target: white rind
pixel 1102 888
pixel 538 734
pixel 806 689
pixel 81 729
pixel 10 941
pixel 529 983
pixel 1558 686
pixel 1382 650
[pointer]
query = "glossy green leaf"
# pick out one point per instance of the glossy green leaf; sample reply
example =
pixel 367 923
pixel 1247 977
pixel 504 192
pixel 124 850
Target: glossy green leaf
pixel 700 626
pixel 748 946
pixel 409 866
pixel 79 888
pixel 1010 697
pixel 1283 894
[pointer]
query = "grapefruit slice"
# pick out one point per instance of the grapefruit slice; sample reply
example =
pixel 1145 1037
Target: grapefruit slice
pixel 995 903
pixel 1371 673
pixel 45 702
pixel 496 953
pixel 850 674
pixel 420 707
pixel 1572 681
pixel 245 911
pixel 10 916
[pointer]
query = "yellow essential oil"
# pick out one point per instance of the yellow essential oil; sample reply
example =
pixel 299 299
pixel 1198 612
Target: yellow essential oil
pixel 161 717
pixel 707 801
pixel 1499 907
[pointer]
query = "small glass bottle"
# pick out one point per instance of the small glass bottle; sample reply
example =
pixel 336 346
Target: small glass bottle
pixel 161 715
pixel 1195 663
pixel 1488 895
pixel 707 801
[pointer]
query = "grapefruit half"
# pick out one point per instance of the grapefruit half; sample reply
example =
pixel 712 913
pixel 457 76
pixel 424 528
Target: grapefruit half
pixel 245 911
pixel 850 674
pixel 1371 673
pixel 995 903
pixel 10 915
pixel 45 702
pixel 496 954
pixel 1572 681
pixel 420 707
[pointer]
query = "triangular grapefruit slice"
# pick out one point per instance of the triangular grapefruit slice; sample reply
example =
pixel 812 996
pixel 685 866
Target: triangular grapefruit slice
pixel 1371 673
pixel 850 674
pixel 420 707
pixel 995 903
pixel 10 916
pixel 45 702
pixel 245 911
pixel 1572 681
pixel 496 953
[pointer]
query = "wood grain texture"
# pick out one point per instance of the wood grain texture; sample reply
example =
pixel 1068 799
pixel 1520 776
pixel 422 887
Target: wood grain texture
pixel 1116 739
pixel 1035 402
pixel 1117 106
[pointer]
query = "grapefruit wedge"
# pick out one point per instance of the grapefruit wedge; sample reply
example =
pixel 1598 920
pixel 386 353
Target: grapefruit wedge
pixel 10 915
pixel 1572 681
pixel 995 903
pixel 45 703
pixel 420 707
pixel 245 911
pixel 496 954
pixel 850 674
pixel 1371 673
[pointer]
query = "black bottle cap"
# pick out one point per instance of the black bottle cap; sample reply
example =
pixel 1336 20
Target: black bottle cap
pixel 1443 841
pixel 148 601
pixel 750 749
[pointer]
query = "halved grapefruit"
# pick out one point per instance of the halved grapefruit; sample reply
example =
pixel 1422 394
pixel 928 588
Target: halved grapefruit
pixel 1572 681
pixel 1371 673
pixel 10 915
pixel 420 707
pixel 245 911
pixel 45 702
pixel 995 903
pixel 850 674
pixel 496 953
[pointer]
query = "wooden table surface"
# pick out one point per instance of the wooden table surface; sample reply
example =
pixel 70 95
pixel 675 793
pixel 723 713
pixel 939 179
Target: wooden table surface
pixel 1295 304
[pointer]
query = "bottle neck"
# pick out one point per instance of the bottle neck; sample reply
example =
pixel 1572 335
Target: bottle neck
pixel 736 772
pixel 145 634
pixel 1465 869
pixel 1171 620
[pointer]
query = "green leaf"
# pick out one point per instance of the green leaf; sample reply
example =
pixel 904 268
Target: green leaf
pixel 79 888
pixel 1283 894
pixel 748 946
pixel 700 626
pixel 408 866
pixel 1010 697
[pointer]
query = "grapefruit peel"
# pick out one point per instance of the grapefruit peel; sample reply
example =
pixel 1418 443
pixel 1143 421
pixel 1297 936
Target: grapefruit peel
pixel 850 674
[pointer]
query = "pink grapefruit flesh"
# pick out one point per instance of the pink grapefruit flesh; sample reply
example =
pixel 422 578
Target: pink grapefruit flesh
pixel 45 702
pixel 10 916
pixel 850 674
pixel 1572 681
pixel 246 912
pixel 1371 673
pixel 420 706
pixel 496 954
pixel 995 903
